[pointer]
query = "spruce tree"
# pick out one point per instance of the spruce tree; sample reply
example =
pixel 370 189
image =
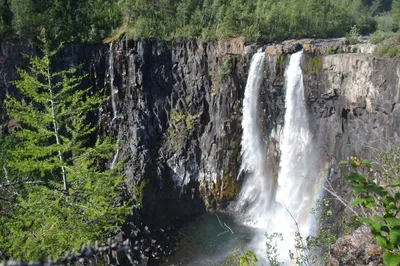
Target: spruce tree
pixel 67 195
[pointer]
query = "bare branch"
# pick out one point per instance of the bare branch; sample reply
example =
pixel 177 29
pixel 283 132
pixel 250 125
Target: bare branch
pixel 304 246
pixel 336 196
pixel 228 228
pixel 6 174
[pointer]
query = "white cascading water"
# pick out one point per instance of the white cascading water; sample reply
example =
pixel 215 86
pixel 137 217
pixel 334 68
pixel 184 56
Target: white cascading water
pixel 114 93
pixel 255 193
pixel 265 205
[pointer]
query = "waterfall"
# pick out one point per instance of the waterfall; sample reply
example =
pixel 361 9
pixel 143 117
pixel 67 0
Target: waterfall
pixel 283 205
pixel 114 93
pixel 298 171
pixel 113 90
pixel 255 194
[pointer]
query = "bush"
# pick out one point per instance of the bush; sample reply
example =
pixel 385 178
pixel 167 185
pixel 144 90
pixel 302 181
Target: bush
pixel 353 35
pixel 385 23
pixel 384 204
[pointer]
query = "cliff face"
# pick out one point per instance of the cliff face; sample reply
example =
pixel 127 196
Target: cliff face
pixel 181 122
pixel 354 101
pixel 179 110
pixel 178 114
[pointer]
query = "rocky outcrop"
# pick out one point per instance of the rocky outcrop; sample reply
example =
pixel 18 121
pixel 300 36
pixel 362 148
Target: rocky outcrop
pixel 356 249
pixel 354 100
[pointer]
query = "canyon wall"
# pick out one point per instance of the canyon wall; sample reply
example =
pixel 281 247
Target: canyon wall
pixel 179 110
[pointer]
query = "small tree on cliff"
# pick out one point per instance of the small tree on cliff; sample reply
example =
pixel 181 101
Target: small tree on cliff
pixel 68 197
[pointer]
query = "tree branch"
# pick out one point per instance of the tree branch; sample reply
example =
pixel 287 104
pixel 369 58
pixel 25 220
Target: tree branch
pixel 336 196
pixel 16 183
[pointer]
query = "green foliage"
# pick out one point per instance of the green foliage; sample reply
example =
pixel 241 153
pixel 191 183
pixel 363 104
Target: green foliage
pixel 380 36
pixel 272 250
pixel 5 17
pixel 312 65
pixel 396 12
pixel 75 199
pixel 383 202
pixel 325 238
pixel 353 35
pixel 309 250
pixel 233 259
pixel 94 20
pixel 189 120
pixel 385 23
pixel 349 224
pixel 7 195
pixel 249 258
pixel 388 43
pixel 138 193
pixel 178 123
pixel 237 258
pixel 177 116
pixel 66 20
pixel 387 50
pixel 354 49
pixel 224 70
pixel 390 165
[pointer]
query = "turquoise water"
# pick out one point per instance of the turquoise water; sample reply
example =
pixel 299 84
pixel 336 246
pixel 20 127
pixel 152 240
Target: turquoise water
pixel 205 242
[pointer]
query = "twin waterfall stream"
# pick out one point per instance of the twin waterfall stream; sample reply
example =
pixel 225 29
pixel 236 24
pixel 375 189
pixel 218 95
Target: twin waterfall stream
pixel 278 200
pixel 265 203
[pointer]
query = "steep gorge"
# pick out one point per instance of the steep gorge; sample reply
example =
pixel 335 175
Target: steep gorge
pixel 180 111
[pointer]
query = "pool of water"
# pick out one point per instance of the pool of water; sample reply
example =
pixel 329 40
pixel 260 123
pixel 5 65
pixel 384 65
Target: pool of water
pixel 210 238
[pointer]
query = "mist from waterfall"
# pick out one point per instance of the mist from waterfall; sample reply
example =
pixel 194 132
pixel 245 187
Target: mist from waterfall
pixel 274 205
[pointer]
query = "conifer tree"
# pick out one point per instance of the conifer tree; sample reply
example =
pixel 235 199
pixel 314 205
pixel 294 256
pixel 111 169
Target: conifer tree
pixel 71 198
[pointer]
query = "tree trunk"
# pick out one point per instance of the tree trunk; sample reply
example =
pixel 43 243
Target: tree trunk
pixel 55 125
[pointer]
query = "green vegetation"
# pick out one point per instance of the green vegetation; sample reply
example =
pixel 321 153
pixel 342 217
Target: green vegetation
pixel 353 35
pixel 56 192
pixel 177 116
pixel 238 258
pixel 390 164
pixel 312 64
pixel 180 121
pixel 309 250
pixel 272 248
pixel 383 203
pixel 387 34
pixel 380 211
pixel 225 70
pixel 96 20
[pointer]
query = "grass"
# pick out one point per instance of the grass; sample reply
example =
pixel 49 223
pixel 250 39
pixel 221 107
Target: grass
pixel 312 65
pixel 388 47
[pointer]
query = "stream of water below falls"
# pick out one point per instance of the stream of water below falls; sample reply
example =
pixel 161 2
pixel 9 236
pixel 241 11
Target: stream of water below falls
pixel 205 242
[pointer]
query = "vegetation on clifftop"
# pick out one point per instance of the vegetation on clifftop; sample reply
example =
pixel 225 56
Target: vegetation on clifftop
pixel 94 20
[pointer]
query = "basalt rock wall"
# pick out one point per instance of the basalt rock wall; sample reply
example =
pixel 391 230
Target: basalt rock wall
pixel 179 110
pixel 178 115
